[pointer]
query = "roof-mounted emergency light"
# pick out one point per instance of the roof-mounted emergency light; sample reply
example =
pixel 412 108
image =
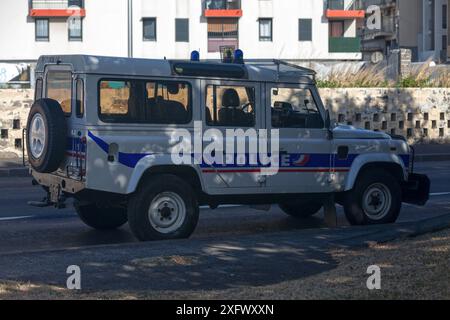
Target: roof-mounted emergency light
pixel 195 56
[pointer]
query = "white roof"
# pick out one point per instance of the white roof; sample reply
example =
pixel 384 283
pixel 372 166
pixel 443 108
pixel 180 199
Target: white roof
pixel 265 71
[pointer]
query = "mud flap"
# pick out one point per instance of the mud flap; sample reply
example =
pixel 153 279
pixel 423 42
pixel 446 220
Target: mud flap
pixel 417 190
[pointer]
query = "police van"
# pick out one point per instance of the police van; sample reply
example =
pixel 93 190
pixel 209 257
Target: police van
pixel 104 130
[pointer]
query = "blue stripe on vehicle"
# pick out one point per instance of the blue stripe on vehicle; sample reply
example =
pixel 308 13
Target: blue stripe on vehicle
pixel 127 159
pixel 320 160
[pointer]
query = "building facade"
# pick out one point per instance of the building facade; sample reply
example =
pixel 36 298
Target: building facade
pixel 263 29
pixel 419 25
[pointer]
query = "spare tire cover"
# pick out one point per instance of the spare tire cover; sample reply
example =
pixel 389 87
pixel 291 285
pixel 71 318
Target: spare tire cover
pixel 46 136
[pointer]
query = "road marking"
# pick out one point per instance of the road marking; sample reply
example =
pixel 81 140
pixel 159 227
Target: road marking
pixel 15 218
pixel 439 194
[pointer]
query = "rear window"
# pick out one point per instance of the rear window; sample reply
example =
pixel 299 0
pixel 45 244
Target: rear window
pixel 140 101
pixel 59 88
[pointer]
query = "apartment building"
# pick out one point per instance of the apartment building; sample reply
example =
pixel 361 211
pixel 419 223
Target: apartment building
pixel 292 30
pixel 419 25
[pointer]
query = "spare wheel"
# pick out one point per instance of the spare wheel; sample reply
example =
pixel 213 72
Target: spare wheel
pixel 46 135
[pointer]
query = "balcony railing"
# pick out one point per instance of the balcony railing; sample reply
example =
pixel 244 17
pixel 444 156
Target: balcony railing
pixel 55 4
pixel 343 5
pixel 344 45
pixel 344 9
pixel 56 8
pixel 222 4
pixel 223 8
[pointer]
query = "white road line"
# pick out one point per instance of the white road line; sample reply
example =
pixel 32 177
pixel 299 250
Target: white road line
pixel 15 218
pixel 439 194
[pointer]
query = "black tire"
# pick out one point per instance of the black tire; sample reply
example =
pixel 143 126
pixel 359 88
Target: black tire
pixel 301 209
pixel 54 148
pixel 152 190
pixel 353 200
pixel 101 218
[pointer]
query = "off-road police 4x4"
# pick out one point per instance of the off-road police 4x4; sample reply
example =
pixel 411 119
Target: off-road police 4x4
pixel 101 130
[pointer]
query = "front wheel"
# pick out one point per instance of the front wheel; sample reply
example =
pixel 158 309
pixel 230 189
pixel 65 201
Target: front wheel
pixel 375 199
pixel 164 207
pixel 101 218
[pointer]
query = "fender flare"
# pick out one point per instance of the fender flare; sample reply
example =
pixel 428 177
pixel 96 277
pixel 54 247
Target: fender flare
pixel 365 159
pixel 152 161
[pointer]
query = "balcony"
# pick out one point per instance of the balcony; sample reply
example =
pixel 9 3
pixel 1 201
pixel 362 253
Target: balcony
pixel 223 9
pixel 344 45
pixel 343 9
pixel 57 8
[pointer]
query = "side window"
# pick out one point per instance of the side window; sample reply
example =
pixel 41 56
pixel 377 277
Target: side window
pixel 139 101
pixel 230 106
pixel 79 99
pixel 295 108
pixel 59 88
pixel 38 89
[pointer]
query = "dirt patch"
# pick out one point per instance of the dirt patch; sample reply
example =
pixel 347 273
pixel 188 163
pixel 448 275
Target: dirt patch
pixel 410 269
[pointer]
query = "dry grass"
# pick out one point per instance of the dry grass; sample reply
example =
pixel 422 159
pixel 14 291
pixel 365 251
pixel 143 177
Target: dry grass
pixel 411 269
pixel 422 76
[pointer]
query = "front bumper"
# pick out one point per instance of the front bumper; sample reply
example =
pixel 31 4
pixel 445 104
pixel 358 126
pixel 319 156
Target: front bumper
pixel 417 189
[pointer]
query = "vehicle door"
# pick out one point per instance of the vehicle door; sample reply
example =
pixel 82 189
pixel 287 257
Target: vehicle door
pixel 231 106
pixel 305 160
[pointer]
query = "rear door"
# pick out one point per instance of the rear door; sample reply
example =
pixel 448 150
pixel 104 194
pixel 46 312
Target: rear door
pixel 231 107
pixel 68 89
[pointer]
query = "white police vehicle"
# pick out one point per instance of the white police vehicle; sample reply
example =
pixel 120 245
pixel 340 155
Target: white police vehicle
pixel 101 130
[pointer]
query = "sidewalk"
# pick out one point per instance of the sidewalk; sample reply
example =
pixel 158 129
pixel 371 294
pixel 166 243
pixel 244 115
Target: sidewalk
pixel 424 153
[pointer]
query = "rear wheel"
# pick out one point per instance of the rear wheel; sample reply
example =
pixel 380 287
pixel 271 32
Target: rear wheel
pixel 101 218
pixel 301 209
pixel 375 199
pixel 164 207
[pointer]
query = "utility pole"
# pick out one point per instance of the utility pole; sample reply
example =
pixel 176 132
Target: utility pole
pixel 130 28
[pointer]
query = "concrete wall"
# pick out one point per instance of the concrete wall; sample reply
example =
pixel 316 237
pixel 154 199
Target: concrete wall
pixel 409 112
pixel 422 115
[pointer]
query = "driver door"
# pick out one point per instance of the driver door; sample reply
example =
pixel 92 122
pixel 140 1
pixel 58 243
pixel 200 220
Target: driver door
pixel 305 150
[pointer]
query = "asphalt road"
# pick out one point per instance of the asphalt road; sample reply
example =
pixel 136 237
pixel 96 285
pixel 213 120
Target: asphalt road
pixel 35 241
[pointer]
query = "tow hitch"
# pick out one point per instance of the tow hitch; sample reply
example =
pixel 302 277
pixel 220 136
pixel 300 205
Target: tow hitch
pixel 54 197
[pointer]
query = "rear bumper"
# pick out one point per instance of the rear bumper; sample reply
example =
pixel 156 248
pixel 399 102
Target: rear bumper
pixel 417 189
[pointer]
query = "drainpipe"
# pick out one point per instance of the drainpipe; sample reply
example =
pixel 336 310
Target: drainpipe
pixel 130 28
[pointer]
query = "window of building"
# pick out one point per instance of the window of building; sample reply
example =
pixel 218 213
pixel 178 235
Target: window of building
pixel 223 32
pixel 444 42
pixel 305 29
pixel 295 108
pixel 4 133
pixel 336 29
pixel 79 99
pixel 18 143
pixel 182 30
pixel 140 101
pixel 16 124
pixel 444 17
pixel 42 29
pixel 59 88
pixel 75 29
pixel 265 29
pixel 149 29
pixel 230 106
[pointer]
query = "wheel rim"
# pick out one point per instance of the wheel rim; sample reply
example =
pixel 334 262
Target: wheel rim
pixel 377 201
pixel 167 212
pixel 37 136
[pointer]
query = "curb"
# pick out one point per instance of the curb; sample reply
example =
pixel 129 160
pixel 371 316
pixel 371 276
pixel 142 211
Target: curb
pixel 399 231
pixel 432 157
pixel 14 172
